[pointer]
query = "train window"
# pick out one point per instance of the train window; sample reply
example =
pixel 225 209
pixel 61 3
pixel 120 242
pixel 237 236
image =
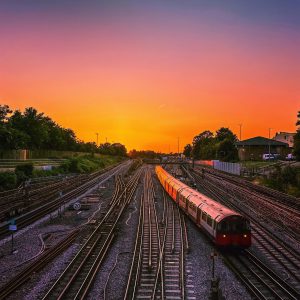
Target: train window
pixel 214 224
pixel 238 225
pixel 209 220
pixel 222 226
pixel 204 216
pixel 192 206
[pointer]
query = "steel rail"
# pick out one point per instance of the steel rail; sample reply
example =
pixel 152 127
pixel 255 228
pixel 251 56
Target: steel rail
pixel 182 269
pixel 51 206
pixel 258 278
pixel 134 272
pixel 284 259
pixel 49 254
pixel 100 237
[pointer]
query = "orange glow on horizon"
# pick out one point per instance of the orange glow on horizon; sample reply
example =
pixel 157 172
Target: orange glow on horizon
pixel 146 85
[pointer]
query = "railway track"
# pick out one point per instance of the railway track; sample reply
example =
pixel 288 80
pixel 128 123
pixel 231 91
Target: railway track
pixel 276 197
pixel 76 280
pixel 157 268
pixel 48 255
pixel 278 217
pixel 280 256
pixel 24 199
pixel 259 279
pixel 174 253
pixel 42 210
pixel 253 191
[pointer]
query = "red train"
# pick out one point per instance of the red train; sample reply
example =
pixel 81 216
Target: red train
pixel 224 226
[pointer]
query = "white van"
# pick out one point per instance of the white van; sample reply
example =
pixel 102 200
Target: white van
pixel 268 156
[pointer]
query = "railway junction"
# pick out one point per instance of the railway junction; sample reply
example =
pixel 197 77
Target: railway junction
pixel 117 234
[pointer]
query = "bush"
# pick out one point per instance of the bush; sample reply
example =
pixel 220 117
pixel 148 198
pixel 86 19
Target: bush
pixel 24 172
pixel 27 169
pixel 286 179
pixel 7 181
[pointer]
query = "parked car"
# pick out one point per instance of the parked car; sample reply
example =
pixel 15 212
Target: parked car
pixel 268 156
pixel 290 156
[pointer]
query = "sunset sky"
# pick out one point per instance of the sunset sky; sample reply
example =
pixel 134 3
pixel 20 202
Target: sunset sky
pixel 145 72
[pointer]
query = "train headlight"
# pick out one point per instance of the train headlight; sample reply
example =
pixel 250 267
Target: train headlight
pixel 224 235
pixel 245 235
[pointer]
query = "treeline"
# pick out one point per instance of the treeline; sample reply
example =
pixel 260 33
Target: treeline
pixel 297 139
pixel 149 154
pixel 35 131
pixel 208 145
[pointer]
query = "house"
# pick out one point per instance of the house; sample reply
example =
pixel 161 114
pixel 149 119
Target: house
pixel 254 148
pixel 285 137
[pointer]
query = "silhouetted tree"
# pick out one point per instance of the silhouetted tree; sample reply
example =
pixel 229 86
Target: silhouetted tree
pixel 187 151
pixel 34 130
pixel 225 133
pixel 297 139
pixel 227 151
pixel 203 145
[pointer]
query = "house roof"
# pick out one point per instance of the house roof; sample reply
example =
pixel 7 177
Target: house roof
pixel 261 141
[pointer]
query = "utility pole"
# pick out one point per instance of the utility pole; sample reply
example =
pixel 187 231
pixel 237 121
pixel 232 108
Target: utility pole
pixel 240 131
pixel 106 140
pixel 270 143
pixel 97 134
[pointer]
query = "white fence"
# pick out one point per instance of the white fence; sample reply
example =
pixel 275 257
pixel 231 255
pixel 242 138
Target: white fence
pixel 233 168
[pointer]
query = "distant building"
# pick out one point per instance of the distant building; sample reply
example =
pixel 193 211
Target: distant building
pixel 254 148
pixel 285 137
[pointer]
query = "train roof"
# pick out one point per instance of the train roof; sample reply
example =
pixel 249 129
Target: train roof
pixel 215 209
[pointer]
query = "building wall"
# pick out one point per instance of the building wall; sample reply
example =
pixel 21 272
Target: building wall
pixel 285 137
pixel 256 152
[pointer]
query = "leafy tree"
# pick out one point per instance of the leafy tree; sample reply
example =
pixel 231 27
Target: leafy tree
pixel 12 139
pixel 113 149
pixel 187 151
pixel 227 151
pixel 33 124
pixel 143 154
pixel 33 130
pixel 203 145
pixel 297 139
pixel 118 149
pixel 225 133
pixel 4 112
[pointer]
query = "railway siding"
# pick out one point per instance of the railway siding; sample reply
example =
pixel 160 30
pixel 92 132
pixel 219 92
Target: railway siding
pixel 76 280
pixel 274 251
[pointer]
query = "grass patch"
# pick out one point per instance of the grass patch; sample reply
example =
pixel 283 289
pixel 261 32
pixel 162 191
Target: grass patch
pixel 283 179
pixel 79 164
pixel 257 164
pixel 8 181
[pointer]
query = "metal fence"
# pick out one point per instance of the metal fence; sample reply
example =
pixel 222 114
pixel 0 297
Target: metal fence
pixel 233 168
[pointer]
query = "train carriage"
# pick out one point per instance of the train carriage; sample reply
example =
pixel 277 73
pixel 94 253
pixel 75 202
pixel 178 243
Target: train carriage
pixel 183 194
pixel 223 225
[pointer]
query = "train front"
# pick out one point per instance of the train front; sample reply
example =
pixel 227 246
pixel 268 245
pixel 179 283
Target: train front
pixel 233 231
